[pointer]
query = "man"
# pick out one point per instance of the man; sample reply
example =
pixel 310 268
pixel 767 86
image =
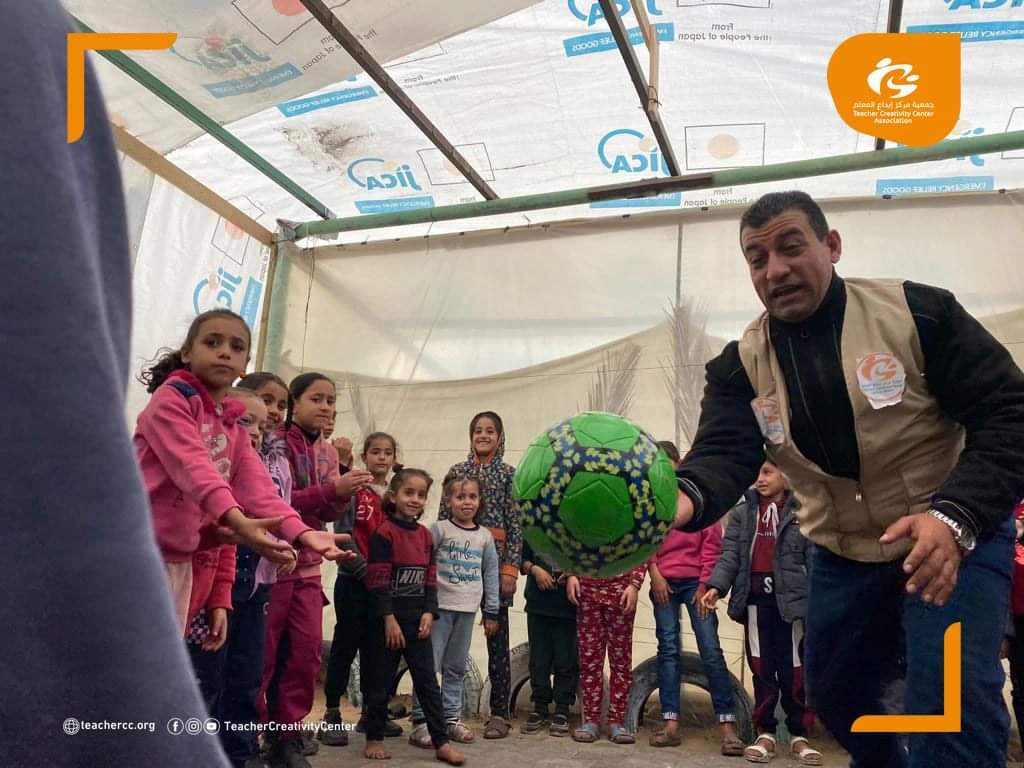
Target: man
pixel 90 635
pixel 899 421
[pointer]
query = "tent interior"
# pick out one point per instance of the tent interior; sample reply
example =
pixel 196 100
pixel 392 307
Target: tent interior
pixel 615 305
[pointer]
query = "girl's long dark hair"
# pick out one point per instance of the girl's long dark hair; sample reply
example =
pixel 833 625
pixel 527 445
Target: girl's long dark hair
pixel 300 384
pixel 169 360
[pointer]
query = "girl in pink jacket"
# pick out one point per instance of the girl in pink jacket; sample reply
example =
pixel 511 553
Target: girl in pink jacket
pixel 291 658
pixel 200 471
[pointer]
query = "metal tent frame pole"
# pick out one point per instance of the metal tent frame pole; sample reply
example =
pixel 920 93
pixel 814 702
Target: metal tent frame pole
pixel 163 91
pixel 893 26
pixel 636 74
pixel 858 161
pixel 357 51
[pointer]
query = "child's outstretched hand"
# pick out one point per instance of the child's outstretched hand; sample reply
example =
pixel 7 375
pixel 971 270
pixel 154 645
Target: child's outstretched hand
pixel 426 623
pixel 286 568
pixel 394 640
pixel 352 482
pixel 572 589
pixel 218 630
pixel 707 603
pixel 628 599
pixel 490 627
pixel 253 533
pixel 327 544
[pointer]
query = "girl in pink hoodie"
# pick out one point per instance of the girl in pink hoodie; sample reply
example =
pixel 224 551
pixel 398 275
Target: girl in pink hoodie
pixel 295 618
pixel 202 475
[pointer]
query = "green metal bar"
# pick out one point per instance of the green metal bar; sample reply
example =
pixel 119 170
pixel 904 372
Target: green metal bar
pixel 821 166
pixel 209 125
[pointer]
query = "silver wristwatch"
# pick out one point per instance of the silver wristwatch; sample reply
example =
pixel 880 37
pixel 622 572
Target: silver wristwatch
pixel 964 538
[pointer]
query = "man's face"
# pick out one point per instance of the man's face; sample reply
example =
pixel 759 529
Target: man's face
pixel 789 266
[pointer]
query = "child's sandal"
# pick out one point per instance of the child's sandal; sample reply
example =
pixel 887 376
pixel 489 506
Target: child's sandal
pixel 496 728
pixel 758 752
pixel 458 732
pixel 420 737
pixel 617 734
pixel 803 751
pixel 586 733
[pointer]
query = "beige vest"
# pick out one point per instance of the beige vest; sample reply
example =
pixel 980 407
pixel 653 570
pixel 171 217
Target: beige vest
pixel 907 445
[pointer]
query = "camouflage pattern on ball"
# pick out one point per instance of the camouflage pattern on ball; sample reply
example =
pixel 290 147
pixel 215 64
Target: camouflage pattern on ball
pixel 596 494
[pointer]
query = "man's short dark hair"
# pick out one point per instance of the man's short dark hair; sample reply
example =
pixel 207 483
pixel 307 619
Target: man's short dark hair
pixel 771 205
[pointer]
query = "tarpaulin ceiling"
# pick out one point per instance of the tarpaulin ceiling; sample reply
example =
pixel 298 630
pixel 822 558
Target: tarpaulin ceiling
pixel 536 97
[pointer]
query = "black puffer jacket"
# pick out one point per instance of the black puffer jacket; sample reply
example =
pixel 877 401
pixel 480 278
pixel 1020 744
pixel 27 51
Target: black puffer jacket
pixel 732 571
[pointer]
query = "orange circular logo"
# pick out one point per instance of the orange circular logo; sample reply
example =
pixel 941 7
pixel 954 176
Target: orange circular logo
pixel 880 366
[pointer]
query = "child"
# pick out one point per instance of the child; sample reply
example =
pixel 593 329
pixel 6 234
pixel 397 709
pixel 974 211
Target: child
pixel 295 616
pixel 402 580
pixel 467 575
pixel 551 629
pixel 328 463
pixel 213 575
pixel 763 562
pixel 487 448
pixel 350 596
pixel 243 665
pixel 196 460
pixel 607 608
pixel 679 573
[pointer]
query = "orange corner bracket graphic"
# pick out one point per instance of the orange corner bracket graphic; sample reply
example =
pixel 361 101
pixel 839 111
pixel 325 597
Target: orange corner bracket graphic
pixel 79 43
pixel 901 87
pixel 948 721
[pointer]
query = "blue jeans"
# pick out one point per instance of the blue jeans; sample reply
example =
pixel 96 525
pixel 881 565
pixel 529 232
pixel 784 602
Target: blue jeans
pixel 666 622
pixel 450 637
pixel 852 642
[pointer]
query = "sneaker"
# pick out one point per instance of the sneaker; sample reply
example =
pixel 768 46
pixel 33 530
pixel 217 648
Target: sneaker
pixel 559 725
pixel 420 737
pixel 391 728
pixel 252 762
pixel 288 754
pixel 332 731
pixel 536 722
pixel 309 745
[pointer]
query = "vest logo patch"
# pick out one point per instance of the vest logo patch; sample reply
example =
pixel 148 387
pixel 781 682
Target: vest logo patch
pixel 769 419
pixel 882 379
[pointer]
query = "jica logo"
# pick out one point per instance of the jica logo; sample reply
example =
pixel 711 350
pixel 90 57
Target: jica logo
pixel 376 173
pixel 982 5
pixel 216 290
pixel 591 12
pixel 218 53
pixel 625 150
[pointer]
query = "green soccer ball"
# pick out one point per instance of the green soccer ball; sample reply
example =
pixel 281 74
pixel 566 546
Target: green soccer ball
pixel 596 494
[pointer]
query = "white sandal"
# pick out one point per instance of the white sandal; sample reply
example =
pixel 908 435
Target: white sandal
pixel 758 753
pixel 805 754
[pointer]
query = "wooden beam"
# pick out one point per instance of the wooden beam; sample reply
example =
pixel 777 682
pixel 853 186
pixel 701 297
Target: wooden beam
pixel 261 350
pixel 636 74
pixel 165 169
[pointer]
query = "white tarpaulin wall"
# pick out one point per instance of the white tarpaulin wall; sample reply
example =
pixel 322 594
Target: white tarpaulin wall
pixel 421 334
pixel 188 260
pixel 538 100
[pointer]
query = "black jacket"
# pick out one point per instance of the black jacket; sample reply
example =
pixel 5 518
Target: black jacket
pixel 732 571
pixel 971 375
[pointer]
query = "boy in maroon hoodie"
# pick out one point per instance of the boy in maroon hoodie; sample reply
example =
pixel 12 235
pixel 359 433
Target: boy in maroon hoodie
pixel 679 572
